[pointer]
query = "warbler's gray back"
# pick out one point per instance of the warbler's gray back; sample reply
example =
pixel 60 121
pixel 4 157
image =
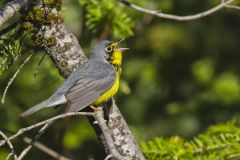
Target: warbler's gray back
pixel 85 85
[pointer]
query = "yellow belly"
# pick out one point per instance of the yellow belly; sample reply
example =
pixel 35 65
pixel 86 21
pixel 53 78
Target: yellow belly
pixel 111 92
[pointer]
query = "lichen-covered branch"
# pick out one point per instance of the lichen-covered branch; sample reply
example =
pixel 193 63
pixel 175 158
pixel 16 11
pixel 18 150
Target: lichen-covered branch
pixel 44 21
pixel 123 138
pixel 107 135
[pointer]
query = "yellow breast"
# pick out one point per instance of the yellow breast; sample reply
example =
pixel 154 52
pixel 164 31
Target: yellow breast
pixel 116 61
pixel 111 92
pixel 117 58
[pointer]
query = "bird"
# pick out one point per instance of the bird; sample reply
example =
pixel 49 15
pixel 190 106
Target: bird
pixel 95 82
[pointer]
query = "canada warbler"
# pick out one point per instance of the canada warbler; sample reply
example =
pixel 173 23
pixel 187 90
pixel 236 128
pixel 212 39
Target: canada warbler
pixel 93 83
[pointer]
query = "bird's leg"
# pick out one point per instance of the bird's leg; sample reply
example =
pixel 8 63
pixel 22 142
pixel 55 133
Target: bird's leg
pixel 107 109
pixel 95 109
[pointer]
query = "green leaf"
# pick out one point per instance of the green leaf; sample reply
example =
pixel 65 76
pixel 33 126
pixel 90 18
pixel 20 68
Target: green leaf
pixel 218 142
pixel 10 50
pixel 103 17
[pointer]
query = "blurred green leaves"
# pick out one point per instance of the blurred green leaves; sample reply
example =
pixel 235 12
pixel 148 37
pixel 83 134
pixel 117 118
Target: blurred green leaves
pixel 3 154
pixel 227 87
pixel 203 70
pixel 10 50
pixel 223 88
pixel 163 39
pixel 124 87
pixel 103 17
pixel 77 134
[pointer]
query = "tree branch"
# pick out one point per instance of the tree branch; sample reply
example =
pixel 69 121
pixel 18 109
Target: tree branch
pixel 40 132
pixel 14 76
pixel 23 130
pixel 45 149
pixel 123 138
pixel 10 8
pixel 233 7
pixel 176 17
pixel 107 135
pixel 10 146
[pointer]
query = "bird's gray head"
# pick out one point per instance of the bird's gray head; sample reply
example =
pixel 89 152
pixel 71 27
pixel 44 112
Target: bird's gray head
pixel 102 50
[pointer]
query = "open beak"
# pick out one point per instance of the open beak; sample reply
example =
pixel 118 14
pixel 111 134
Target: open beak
pixel 121 49
pixel 120 40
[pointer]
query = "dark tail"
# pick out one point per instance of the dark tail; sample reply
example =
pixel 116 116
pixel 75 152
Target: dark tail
pixel 52 101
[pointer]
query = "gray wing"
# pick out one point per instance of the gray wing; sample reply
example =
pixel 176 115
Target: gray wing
pixel 82 87
pixel 59 96
pixel 95 81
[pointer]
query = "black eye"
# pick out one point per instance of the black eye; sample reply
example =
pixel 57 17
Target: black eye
pixel 109 49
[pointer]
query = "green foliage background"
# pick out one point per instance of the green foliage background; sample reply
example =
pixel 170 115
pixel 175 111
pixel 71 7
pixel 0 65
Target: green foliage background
pixel 178 79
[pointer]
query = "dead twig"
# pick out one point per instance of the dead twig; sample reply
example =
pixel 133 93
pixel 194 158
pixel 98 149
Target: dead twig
pixel 233 7
pixel 108 157
pixel 40 132
pixel 45 149
pixel 42 147
pixel 9 156
pixel 14 76
pixel 176 17
pixel 10 146
pixel 23 130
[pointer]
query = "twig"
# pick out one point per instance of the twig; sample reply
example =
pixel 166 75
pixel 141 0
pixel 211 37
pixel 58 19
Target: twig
pixel 9 156
pixel 176 17
pixel 46 149
pixel 23 130
pixel 233 7
pixel 107 135
pixel 10 8
pixel 108 157
pixel 39 63
pixel 40 132
pixel 10 146
pixel 14 76
pixel 38 145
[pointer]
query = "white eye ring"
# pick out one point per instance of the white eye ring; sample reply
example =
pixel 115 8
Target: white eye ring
pixel 109 49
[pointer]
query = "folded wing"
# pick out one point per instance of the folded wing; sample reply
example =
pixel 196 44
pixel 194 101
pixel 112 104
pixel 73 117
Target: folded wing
pixel 95 82
pixel 82 88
